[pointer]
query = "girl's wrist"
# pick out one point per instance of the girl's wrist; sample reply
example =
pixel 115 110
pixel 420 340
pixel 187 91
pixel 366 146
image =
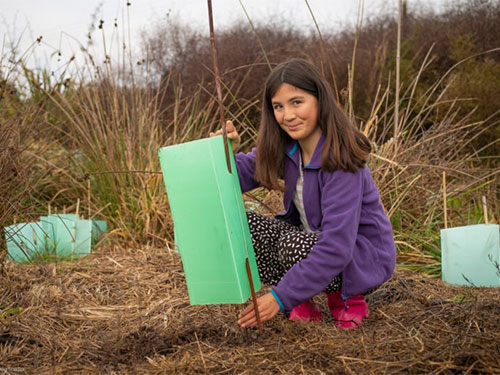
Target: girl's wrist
pixel 282 308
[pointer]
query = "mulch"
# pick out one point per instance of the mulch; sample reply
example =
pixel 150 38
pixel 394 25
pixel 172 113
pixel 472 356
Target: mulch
pixel 125 310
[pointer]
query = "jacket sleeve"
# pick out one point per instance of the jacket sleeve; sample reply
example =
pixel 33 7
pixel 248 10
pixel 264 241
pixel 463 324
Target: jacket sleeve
pixel 341 200
pixel 245 165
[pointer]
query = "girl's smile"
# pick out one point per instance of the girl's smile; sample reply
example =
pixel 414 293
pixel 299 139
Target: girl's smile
pixel 296 112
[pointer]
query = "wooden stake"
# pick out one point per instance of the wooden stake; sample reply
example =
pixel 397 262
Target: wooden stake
pixel 76 219
pixel 217 83
pixel 224 135
pixel 34 237
pixel 74 228
pixel 77 207
pixel 444 202
pixel 88 196
pixel 254 296
pixel 485 210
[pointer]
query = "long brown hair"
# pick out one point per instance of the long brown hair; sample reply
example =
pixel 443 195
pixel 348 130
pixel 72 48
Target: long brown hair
pixel 345 146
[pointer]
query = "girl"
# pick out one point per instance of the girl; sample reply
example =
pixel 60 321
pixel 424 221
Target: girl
pixel 334 235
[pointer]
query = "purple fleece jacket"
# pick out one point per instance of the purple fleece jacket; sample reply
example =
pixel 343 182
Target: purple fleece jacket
pixel 355 236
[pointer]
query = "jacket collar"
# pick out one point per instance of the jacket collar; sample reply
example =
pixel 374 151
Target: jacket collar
pixel 293 150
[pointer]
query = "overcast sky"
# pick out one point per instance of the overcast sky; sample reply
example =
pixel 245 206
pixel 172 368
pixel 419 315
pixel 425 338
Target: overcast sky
pixel 64 22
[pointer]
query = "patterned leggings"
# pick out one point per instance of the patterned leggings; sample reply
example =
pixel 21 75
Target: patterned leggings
pixel 278 246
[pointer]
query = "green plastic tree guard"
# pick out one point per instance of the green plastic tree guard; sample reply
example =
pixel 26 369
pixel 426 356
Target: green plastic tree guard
pixel 49 233
pixel 73 236
pixel 99 227
pixel 24 240
pixel 59 229
pixel 470 255
pixel 63 222
pixel 210 221
pixel 66 234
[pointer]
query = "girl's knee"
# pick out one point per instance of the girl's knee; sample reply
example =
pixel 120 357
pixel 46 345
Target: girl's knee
pixel 290 250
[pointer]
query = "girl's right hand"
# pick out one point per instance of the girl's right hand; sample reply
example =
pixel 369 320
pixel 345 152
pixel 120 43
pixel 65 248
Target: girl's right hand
pixel 232 134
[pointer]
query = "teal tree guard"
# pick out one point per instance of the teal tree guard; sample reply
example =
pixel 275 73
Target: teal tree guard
pixel 210 222
pixel 209 216
pixel 470 255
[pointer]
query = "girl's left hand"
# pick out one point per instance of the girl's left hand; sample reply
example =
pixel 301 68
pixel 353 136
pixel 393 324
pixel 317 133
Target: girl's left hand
pixel 268 308
pixel 232 134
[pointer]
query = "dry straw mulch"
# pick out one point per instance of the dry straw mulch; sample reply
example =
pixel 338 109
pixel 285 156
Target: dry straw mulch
pixel 126 311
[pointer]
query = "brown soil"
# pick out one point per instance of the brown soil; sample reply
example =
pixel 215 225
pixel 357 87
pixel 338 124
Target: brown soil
pixel 126 311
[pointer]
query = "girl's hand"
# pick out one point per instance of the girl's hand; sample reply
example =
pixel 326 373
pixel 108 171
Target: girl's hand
pixel 232 134
pixel 268 308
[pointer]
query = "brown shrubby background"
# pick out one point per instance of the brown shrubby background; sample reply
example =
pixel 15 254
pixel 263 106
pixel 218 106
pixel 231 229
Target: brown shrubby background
pixel 100 125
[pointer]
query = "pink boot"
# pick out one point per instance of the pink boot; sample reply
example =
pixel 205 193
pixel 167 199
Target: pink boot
pixel 348 313
pixel 305 312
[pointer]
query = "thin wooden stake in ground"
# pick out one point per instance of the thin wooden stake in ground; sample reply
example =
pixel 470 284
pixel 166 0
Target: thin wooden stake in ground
pixel 444 202
pixel 254 296
pixel 217 83
pixel 226 147
pixel 88 196
pixel 485 210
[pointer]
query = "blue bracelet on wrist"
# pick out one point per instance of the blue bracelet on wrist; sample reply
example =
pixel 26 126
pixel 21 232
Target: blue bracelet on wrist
pixel 282 308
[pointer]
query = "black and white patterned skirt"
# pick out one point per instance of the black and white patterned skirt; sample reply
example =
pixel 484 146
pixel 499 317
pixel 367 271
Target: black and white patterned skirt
pixel 278 246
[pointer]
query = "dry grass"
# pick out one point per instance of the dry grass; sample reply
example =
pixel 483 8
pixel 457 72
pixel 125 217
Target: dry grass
pixel 125 310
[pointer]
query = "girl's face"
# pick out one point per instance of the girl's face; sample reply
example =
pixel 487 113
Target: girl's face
pixel 296 112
